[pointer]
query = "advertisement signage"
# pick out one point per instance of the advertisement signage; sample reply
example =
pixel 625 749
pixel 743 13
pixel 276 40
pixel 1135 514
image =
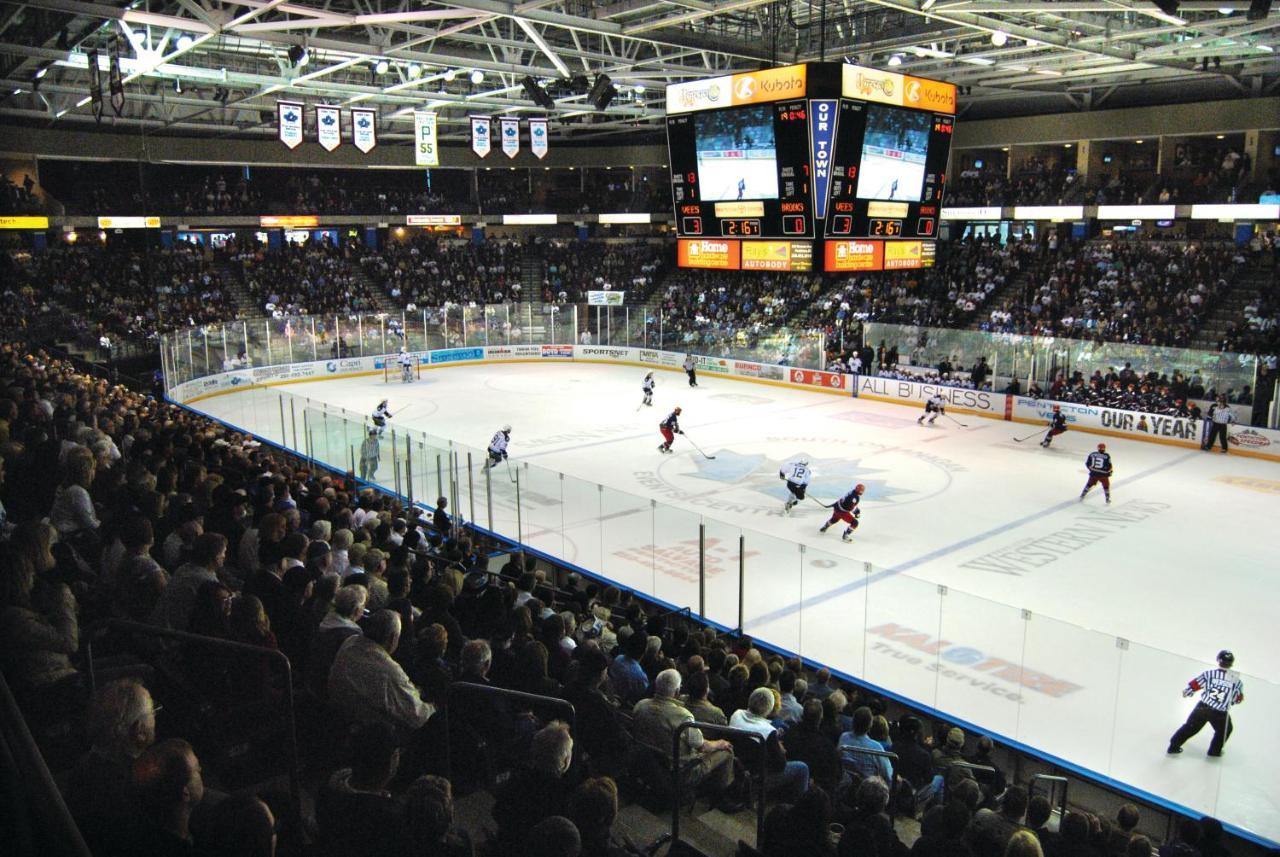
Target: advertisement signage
pixel 558 351
pixel 854 256
pixel 717 254
pixel 605 298
pixel 818 378
pixel 453 355
pixel 433 220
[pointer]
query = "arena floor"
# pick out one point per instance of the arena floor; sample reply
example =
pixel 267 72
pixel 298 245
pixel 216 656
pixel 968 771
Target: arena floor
pixel 977 583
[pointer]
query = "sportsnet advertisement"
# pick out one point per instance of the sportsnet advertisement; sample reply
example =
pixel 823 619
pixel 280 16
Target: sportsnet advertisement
pixel 603 352
pixel 981 401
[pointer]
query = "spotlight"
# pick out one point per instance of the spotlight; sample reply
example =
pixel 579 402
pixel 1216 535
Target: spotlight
pixel 298 56
pixel 177 85
pixel 536 93
pixel 450 75
pixel 477 77
pixel 41 72
pixel 602 92
pixel 185 42
pixel 895 60
pixel 414 71
pixel 999 37
pixel 381 66
pixel 1259 9
pixel 639 89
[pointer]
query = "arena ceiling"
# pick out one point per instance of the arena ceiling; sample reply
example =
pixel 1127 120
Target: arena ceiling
pixel 216 67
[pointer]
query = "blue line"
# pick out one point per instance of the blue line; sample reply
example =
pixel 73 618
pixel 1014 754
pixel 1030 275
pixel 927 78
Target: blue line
pixel 783 612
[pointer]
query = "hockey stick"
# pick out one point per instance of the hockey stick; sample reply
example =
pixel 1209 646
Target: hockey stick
pixel 1028 437
pixel 822 504
pixel 956 421
pixel 695 446
pixel 509 473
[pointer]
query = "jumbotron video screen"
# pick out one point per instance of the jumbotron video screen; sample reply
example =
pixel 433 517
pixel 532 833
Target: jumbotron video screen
pixel 820 164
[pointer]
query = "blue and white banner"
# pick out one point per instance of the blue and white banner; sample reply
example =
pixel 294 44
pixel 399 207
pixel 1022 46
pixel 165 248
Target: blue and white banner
pixel 822 130
pixel 510 137
pixel 425 151
pixel 329 127
pixel 480 135
pixel 538 137
pixel 364 129
pixel 289 118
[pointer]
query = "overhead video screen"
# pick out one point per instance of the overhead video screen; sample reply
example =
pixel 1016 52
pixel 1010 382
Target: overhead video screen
pixel 737 153
pixel 894 152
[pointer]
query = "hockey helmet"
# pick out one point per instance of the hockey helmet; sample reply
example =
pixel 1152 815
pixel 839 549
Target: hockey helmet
pixel 677 410
pixel 1226 659
pixel 648 374
pixel 1102 447
pixel 803 460
pixel 383 402
pixel 1057 408
pixel 859 488
pixel 507 429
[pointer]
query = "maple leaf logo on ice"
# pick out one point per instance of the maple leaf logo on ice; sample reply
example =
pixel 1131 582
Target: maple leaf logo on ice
pixel 831 477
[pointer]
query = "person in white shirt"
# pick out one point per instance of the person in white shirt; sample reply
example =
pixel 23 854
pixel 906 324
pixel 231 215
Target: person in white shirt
pixel 366 683
pixel 498 446
pixel 794 779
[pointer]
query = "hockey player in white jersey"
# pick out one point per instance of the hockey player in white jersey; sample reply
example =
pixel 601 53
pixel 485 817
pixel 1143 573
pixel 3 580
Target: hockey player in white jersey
pixel 648 389
pixel 406 366
pixel 498 446
pixel 797 474
pixel 933 406
pixel 380 417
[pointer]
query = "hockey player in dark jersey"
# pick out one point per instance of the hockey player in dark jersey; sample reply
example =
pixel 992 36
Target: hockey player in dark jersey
pixel 1099 464
pixel 670 427
pixel 1057 425
pixel 846 509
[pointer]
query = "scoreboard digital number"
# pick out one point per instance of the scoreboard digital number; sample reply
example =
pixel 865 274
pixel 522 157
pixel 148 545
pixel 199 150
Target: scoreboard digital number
pixel 881 227
pixel 740 227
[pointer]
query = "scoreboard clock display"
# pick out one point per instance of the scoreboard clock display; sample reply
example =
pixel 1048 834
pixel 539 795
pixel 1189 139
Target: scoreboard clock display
pixel 809 152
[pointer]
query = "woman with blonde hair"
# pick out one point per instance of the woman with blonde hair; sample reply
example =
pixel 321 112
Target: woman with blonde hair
pixel 39 631
pixel 1023 844
pixel 73 514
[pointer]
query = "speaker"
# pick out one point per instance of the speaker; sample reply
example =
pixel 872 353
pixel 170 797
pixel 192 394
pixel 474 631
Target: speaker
pixel 536 93
pixel 1169 7
pixel 602 93
pixel 1259 9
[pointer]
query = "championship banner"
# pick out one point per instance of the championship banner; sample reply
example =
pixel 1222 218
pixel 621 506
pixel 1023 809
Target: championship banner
pixel 538 137
pixel 425 151
pixel 95 84
pixel 364 130
pixel 115 82
pixel 510 137
pixel 289 118
pixel 328 127
pixel 480 135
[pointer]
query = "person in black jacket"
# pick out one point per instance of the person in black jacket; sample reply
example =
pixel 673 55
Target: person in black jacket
pixel 595 724
pixel 807 743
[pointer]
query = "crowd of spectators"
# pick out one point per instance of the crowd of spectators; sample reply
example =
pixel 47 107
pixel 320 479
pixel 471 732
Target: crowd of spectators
pixel 429 271
pixel 1034 182
pixel 1156 293
pixel 119 292
pixel 572 268
pixel 315 277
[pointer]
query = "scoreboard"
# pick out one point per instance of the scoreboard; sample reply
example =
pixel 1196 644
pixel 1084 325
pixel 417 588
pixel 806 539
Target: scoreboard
pixel 774 169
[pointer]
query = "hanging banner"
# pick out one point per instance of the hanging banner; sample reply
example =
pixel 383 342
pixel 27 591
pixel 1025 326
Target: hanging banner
pixel 425 151
pixel 114 81
pixel 822 127
pixel 289 118
pixel 364 131
pixel 510 137
pixel 538 137
pixel 328 127
pixel 480 135
pixel 95 84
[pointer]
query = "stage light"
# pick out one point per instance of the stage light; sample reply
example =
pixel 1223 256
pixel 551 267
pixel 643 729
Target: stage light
pixel 999 38
pixel 185 42
pixel 477 77
pixel 381 67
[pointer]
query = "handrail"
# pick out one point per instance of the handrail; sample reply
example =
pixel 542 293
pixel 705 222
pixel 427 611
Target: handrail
pixel 868 751
pixel 63 834
pixel 462 687
pixel 715 729
pixel 1053 780
pixel 291 725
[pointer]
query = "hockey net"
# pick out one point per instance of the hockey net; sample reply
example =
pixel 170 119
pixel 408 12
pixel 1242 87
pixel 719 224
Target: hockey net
pixel 391 372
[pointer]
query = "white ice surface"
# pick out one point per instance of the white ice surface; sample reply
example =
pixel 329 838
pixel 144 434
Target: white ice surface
pixel 1109 610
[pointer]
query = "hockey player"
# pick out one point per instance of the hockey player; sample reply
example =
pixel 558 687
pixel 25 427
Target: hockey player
pixel 670 427
pixel 648 389
pixel 934 406
pixel 691 369
pixel 380 417
pixel 1099 464
pixel 498 446
pixel 846 509
pixel 406 366
pixel 797 474
pixel 1057 425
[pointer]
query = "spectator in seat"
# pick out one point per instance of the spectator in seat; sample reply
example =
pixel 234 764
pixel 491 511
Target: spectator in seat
pixel 596 723
pixel 122 725
pixel 430 821
pixel 990 830
pixel 791 778
pixel 790 708
pixel 241 826
pixel 627 678
pixel 1187 843
pixel 706 765
pixel 952 751
pixel 166 786
pixel 865 764
pixel 1139 846
pixel 697 686
pixel 554 837
pixel 367 683
pixel 1127 818
pixel 208 555
pixel 357 814
pixel 869 830
pixel 593 807
pixel 38 624
pixel 992 782
pixel 806 743
pixel 339 624
pixel 1073 837
pixel 1211 834
pixel 1039 811
pixel 537 791
pixel 1023 843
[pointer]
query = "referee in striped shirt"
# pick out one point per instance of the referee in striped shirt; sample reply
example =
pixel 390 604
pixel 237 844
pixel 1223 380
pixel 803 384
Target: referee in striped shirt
pixel 1219 690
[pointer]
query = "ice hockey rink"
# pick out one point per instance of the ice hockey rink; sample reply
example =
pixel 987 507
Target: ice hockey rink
pixel 977 585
